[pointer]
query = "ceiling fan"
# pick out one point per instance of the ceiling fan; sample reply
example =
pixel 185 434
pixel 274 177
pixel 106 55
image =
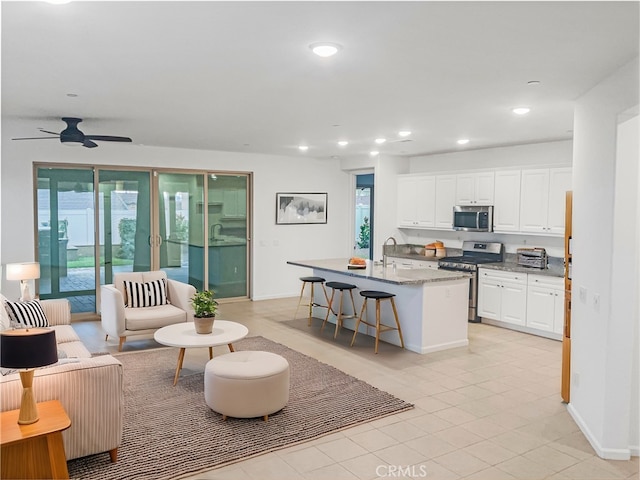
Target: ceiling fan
pixel 73 136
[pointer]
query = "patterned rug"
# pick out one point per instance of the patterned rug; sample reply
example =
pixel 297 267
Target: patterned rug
pixel 169 432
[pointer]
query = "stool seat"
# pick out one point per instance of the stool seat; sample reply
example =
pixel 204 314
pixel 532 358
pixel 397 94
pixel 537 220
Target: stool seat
pixel 312 279
pixel 341 285
pixel 375 294
pixel 378 296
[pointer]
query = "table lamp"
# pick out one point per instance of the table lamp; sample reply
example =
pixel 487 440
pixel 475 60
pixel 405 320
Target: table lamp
pixel 24 272
pixel 26 349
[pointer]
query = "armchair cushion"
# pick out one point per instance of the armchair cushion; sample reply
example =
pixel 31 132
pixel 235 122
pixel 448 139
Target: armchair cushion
pixel 122 321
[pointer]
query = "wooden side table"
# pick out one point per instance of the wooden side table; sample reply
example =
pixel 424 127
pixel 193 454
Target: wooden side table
pixel 35 450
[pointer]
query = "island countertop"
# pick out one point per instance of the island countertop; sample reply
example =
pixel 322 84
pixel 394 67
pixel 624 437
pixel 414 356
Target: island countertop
pixel 397 276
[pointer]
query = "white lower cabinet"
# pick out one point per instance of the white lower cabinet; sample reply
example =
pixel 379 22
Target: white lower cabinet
pixel 502 296
pixel 545 303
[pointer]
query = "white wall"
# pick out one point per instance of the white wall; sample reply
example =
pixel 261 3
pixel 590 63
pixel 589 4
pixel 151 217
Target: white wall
pixel 548 154
pixel 272 244
pixel 602 333
pixel 626 258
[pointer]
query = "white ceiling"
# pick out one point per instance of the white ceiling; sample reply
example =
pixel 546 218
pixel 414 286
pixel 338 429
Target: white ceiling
pixel 239 76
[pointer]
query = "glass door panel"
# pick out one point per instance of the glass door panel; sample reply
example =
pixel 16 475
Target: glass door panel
pixel 227 238
pixel 180 243
pixel 65 208
pixel 125 222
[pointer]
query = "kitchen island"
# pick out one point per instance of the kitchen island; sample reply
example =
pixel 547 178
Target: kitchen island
pixel 432 304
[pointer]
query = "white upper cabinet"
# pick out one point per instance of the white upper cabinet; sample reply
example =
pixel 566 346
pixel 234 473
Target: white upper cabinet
pixel 475 188
pixel 445 201
pixel 506 212
pixel 542 200
pixel 559 183
pixel 416 201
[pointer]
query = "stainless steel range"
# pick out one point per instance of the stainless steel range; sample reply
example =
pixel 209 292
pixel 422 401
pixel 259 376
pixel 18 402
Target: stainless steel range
pixel 473 254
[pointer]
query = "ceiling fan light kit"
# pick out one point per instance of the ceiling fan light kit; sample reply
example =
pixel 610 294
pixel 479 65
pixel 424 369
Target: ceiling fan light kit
pixel 72 136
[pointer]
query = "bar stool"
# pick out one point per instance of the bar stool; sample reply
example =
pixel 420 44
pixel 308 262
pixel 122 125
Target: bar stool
pixel 378 297
pixel 312 281
pixel 341 287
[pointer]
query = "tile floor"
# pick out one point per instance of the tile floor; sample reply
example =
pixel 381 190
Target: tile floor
pixel 490 411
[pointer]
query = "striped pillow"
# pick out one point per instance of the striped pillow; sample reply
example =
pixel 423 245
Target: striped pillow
pixel 26 314
pixel 149 294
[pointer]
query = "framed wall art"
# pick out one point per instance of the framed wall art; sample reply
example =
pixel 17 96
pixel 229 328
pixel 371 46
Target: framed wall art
pixel 301 208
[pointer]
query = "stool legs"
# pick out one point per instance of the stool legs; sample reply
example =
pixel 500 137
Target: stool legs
pixel 339 316
pixel 312 303
pixel 378 326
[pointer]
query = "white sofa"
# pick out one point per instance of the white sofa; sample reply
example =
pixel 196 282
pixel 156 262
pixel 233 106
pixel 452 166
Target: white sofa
pixel 120 321
pixel 90 389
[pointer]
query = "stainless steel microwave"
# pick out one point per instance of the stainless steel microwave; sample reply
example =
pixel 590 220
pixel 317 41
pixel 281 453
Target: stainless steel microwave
pixel 473 218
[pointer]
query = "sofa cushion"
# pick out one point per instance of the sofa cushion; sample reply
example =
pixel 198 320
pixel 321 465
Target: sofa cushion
pixel 27 314
pixel 153 317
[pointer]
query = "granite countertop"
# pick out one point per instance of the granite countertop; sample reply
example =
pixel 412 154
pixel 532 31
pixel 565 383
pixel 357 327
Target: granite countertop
pixel 398 276
pixel 507 266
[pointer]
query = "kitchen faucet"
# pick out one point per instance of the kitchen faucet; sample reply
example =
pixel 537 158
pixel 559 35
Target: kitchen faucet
pixel 384 253
pixel 212 229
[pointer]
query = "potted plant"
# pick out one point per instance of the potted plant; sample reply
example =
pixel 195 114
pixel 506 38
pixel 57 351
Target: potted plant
pixel 205 307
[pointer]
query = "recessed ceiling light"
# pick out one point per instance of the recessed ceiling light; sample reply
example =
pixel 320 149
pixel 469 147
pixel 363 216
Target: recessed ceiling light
pixel 72 95
pixel 374 153
pixel 463 141
pixel 303 148
pixel 521 110
pixel 325 49
pixel 380 141
pixel 343 143
pixel 533 82
pixel 404 133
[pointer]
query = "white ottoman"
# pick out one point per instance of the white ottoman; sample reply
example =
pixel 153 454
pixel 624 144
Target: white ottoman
pixel 246 384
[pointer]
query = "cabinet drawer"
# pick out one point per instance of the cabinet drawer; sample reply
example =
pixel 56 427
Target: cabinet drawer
pixel 499 275
pixel 545 281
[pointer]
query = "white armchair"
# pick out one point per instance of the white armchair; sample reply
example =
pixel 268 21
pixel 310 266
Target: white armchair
pixel 120 321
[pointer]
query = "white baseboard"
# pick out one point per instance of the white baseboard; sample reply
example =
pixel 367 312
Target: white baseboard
pixel 606 453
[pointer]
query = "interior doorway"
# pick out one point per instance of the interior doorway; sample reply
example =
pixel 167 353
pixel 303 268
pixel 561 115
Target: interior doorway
pixel 364 216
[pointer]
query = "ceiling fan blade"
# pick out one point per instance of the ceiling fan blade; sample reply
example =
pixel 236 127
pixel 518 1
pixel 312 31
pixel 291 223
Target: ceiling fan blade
pixel 88 143
pixel 47 131
pixel 35 138
pixel 108 138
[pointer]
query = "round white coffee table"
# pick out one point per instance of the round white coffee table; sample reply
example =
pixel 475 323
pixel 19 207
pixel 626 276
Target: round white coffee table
pixel 183 336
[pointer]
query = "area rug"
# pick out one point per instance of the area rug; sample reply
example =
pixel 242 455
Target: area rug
pixel 170 433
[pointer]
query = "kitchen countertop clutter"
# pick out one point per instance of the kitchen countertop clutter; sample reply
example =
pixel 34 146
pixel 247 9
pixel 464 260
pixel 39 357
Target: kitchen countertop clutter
pixel 555 267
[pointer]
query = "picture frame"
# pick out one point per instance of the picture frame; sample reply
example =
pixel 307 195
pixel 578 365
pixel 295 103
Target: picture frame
pixel 295 208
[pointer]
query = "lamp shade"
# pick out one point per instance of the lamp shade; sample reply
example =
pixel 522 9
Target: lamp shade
pixel 23 271
pixel 28 348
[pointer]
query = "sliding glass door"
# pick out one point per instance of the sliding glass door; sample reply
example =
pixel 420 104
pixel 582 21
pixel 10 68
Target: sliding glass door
pixel 227 239
pixel 181 236
pixel 193 226
pixel 65 209
pixel 124 217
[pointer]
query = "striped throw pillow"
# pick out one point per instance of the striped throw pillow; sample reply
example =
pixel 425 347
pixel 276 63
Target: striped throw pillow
pixel 149 294
pixel 26 314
